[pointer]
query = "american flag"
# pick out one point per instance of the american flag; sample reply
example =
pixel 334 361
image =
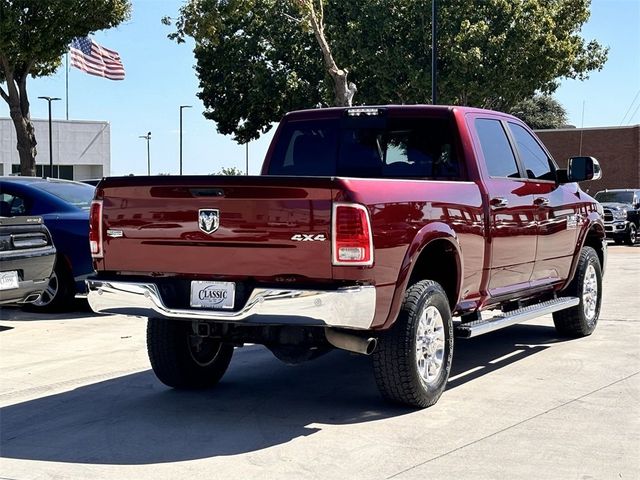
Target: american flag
pixel 95 59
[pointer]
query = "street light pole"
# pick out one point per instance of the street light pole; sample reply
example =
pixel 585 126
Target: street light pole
pixel 49 100
pixel 434 52
pixel 147 137
pixel 181 107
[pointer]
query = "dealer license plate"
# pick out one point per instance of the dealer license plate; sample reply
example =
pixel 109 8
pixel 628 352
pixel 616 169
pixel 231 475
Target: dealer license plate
pixel 8 280
pixel 213 295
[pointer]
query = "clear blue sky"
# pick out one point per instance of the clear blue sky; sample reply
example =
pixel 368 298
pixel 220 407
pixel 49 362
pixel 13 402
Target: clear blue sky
pixel 160 77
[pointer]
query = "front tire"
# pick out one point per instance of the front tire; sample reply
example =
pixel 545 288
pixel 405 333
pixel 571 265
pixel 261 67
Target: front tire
pixel 632 235
pixel 182 360
pixel 413 359
pixel 581 320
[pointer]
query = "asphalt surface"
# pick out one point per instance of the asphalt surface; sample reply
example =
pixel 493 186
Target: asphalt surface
pixel 78 401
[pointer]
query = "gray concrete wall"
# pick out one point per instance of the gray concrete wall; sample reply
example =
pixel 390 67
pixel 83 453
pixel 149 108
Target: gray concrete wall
pixel 85 145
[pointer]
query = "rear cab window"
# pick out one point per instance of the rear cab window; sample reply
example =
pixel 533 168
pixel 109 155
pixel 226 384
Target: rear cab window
pixel 368 147
pixel 79 195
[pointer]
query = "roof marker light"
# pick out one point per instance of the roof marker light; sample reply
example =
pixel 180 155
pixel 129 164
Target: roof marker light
pixel 366 112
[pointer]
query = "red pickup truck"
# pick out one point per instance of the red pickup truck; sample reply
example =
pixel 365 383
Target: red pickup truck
pixel 380 230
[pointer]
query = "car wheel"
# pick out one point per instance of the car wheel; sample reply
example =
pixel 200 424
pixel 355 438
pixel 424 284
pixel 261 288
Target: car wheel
pixel 183 360
pixel 59 293
pixel 632 235
pixel 413 359
pixel 581 320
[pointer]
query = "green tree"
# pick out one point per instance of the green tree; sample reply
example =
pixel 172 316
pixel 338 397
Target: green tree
pixel 497 52
pixel 34 35
pixel 230 171
pixel 540 112
pixel 257 59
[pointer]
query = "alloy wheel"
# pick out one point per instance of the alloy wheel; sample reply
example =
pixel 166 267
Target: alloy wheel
pixel 590 294
pixel 50 292
pixel 430 344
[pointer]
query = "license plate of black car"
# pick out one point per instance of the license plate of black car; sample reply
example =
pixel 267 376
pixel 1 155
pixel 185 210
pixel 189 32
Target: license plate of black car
pixel 8 280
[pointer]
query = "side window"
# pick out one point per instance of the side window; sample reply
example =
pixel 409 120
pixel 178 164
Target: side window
pixel 501 162
pixel 536 162
pixel 11 205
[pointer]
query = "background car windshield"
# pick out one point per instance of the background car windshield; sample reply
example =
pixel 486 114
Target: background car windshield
pixel 78 195
pixel 620 197
pixel 367 148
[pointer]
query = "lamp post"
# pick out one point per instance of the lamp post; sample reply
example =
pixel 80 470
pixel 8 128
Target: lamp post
pixel 147 137
pixel 181 107
pixel 434 52
pixel 49 100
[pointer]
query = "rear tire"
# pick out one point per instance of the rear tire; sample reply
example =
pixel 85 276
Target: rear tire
pixel 581 320
pixel 179 361
pixel 59 293
pixel 413 359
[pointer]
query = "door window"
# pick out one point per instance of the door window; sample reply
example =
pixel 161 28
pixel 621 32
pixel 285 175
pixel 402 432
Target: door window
pixel 500 160
pixel 536 162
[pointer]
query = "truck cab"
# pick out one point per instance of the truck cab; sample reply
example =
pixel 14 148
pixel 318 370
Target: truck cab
pixel 621 214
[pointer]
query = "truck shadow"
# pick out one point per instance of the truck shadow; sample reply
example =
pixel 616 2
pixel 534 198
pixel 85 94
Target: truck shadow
pixel 133 420
pixel 79 308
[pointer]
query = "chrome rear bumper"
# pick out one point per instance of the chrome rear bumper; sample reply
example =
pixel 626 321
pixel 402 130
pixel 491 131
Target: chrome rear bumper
pixel 352 307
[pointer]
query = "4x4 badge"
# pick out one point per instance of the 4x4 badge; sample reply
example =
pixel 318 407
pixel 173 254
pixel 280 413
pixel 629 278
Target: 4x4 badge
pixel 209 220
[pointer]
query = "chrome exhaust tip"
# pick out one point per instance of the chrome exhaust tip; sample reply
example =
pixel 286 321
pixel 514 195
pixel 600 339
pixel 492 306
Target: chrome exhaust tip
pixel 32 297
pixel 350 342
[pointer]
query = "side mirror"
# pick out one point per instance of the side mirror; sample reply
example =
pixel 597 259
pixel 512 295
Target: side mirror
pixel 583 168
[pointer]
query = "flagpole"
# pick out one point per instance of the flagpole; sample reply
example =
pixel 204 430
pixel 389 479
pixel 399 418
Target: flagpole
pixel 66 71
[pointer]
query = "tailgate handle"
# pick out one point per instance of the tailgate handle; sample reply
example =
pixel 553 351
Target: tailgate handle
pixel 207 192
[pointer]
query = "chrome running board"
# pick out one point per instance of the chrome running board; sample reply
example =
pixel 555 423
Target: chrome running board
pixel 480 327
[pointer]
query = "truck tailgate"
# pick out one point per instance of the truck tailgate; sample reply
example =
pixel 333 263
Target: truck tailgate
pixel 218 227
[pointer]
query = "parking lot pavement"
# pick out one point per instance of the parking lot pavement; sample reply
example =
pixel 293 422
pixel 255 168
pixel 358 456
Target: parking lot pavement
pixel 79 401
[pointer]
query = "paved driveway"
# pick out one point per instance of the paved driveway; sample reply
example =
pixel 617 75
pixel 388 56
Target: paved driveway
pixel 79 401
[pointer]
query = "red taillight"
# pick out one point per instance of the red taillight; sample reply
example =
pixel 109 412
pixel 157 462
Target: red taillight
pixel 352 240
pixel 95 229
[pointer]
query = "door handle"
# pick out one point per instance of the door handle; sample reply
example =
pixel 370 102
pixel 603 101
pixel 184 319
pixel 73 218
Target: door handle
pixel 541 201
pixel 498 202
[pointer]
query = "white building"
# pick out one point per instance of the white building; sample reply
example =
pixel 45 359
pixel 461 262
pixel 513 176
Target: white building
pixel 81 149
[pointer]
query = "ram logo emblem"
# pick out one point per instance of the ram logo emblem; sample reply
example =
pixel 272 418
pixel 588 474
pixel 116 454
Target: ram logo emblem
pixel 209 220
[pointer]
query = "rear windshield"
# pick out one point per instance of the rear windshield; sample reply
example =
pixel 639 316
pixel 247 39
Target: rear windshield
pixel 77 194
pixel 620 197
pixel 367 147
